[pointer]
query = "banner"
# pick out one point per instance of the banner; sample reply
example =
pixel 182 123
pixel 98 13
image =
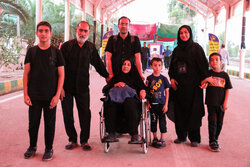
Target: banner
pixel 213 44
pixel 105 39
pixel 166 37
pixel 145 32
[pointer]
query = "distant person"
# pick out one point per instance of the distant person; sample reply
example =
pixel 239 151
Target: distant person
pixel 167 57
pixel 224 57
pixel 188 67
pixel 158 102
pixel 79 54
pixel 217 94
pixel 123 46
pixel 42 84
pixel 144 56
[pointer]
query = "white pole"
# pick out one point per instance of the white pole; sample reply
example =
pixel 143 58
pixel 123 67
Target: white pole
pixel 67 21
pixel 38 15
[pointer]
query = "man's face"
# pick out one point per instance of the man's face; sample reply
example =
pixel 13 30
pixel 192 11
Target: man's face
pixel 43 33
pixel 82 32
pixel 144 44
pixel 123 26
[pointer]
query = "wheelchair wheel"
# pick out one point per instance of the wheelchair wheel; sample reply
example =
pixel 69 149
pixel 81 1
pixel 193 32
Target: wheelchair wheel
pixel 102 125
pixel 148 128
pixel 106 147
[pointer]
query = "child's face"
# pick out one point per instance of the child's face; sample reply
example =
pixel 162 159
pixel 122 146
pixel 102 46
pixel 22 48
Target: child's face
pixel 43 33
pixel 126 66
pixel 156 66
pixel 215 62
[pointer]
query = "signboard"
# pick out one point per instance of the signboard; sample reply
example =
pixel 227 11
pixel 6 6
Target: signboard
pixel 213 44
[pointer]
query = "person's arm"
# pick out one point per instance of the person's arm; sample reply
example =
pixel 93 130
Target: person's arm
pixel 165 107
pixel 226 100
pixel 109 65
pixel 55 99
pixel 138 64
pixel 25 84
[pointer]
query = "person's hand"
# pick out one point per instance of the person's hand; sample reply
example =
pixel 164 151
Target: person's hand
pixel 109 78
pixel 120 84
pixel 148 105
pixel 225 106
pixel 62 95
pixel 174 84
pixel 165 108
pixel 54 102
pixel 142 77
pixel 27 100
pixel 204 85
pixel 142 94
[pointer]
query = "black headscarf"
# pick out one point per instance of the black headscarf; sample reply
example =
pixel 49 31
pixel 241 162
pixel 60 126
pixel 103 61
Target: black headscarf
pixel 189 42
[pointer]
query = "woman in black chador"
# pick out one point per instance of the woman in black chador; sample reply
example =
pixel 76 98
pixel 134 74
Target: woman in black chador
pixel 188 68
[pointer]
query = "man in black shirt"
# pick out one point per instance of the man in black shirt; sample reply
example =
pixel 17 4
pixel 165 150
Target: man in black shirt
pixel 42 83
pixel 123 46
pixel 144 56
pixel 79 54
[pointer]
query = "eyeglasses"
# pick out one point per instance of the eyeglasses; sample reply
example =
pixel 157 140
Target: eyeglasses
pixel 124 24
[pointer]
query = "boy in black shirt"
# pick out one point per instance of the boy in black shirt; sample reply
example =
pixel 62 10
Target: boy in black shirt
pixel 217 93
pixel 42 82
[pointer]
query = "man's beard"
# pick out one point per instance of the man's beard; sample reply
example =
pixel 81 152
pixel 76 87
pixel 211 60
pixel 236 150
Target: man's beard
pixel 81 40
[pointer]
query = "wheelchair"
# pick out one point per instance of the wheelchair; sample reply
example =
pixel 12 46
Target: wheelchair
pixel 144 132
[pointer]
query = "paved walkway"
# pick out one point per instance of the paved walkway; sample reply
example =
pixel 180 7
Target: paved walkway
pixel 234 138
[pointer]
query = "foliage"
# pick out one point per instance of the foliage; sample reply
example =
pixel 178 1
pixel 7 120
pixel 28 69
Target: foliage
pixel 10 6
pixel 10 50
pixel 221 38
pixel 179 12
pixel 233 50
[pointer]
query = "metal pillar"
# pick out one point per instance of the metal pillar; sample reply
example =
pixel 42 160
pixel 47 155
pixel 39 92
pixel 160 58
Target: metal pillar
pixel 66 21
pixel 242 46
pixel 38 15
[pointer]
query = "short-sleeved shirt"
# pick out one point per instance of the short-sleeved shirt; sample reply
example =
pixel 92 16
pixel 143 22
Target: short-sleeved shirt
pixel 122 49
pixel 215 93
pixel 157 86
pixel 43 75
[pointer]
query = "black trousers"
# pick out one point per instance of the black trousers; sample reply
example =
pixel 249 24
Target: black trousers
pixel 215 121
pixel 144 63
pixel 84 114
pixel 130 108
pixel 156 113
pixel 193 135
pixel 35 112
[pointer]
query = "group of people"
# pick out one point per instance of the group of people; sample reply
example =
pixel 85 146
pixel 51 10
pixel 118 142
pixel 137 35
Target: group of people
pixel 51 74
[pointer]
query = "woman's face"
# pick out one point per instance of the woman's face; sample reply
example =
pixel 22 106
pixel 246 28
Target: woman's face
pixel 126 66
pixel 184 34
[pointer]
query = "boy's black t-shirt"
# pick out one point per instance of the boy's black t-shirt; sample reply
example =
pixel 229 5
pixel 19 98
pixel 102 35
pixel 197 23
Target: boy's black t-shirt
pixel 43 75
pixel 215 93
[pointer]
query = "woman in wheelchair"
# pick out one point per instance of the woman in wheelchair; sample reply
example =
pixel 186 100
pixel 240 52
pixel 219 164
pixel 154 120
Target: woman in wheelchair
pixel 123 99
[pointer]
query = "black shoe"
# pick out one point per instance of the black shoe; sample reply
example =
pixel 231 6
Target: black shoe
pixel 195 144
pixel 134 139
pixel 178 141
pixel 31 151
pixel 71 145
pixel 48 155
pixel 110 138
pixel 161 143
pixel 155 141
pixel 214 147
pixel 85 146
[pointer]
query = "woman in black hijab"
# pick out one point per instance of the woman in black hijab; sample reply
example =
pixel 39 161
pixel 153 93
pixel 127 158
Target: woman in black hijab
pixel 124 91
pixel 188 68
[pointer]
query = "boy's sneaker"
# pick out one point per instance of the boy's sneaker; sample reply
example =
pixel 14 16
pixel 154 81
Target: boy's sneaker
pixel 161 143
pixel 214 147
pixel 31 151
pixel 155 141
pixel 48 155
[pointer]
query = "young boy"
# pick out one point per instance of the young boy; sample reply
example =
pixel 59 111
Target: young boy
pixel 158 101
pixel 42 83
pixel 217 93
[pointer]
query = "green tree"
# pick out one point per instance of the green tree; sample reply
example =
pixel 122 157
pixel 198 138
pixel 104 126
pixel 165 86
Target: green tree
pixel 10 6
pixel 10 50
pixel 179 13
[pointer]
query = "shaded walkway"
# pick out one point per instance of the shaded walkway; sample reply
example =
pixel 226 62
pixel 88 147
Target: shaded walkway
pixel 234 139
